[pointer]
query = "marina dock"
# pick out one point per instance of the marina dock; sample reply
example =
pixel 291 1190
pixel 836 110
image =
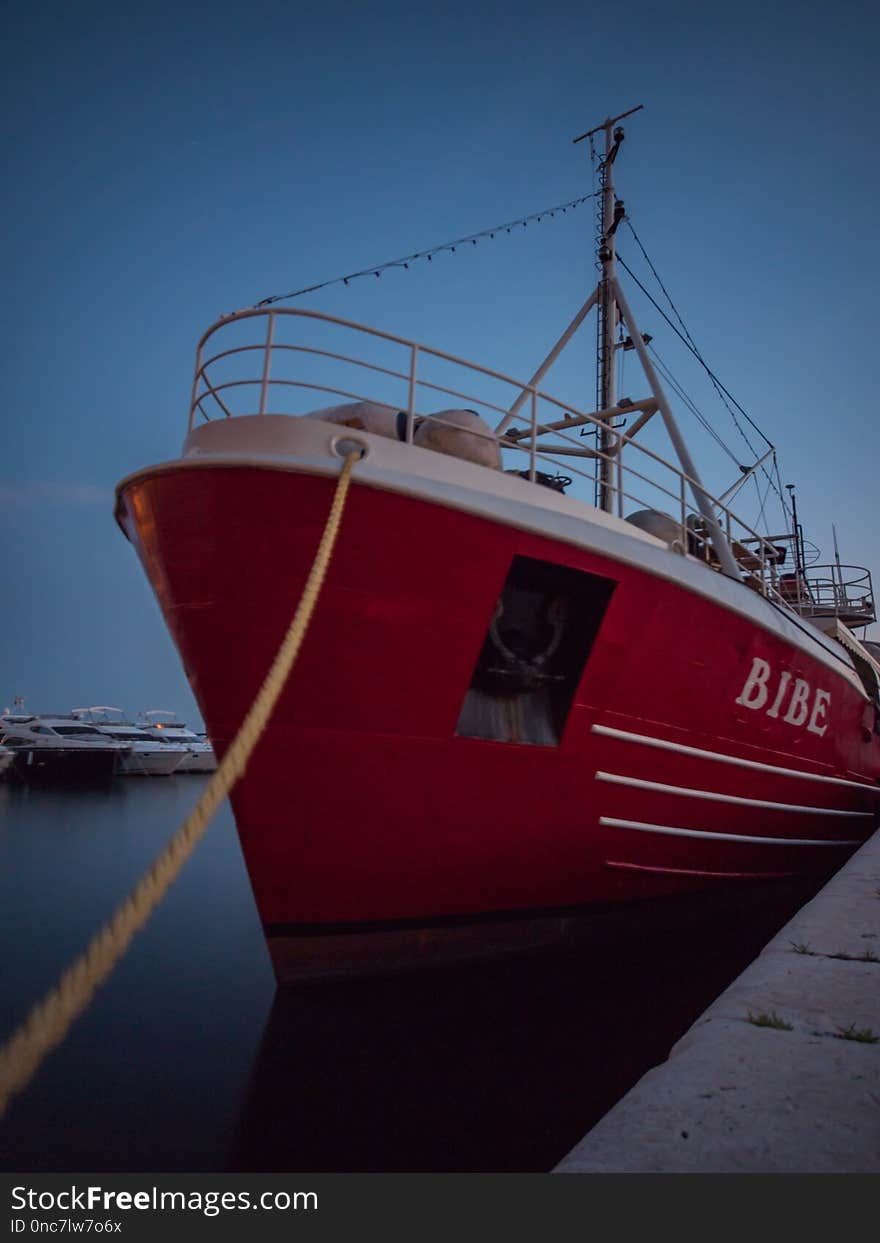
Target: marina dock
pixel 781 1074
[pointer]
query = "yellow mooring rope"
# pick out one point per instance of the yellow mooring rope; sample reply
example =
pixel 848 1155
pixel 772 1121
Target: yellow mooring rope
pixel 50 1020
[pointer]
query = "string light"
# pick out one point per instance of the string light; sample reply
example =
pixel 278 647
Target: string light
pixel 405 262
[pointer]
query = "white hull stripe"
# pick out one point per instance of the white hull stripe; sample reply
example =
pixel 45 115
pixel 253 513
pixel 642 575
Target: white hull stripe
pixel 728 875
pixel 684 792
pixel 613 823
pixel 665 745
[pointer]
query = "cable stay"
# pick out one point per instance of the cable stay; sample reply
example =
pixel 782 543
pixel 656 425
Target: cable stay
pixel 694 409
pixel 724 394
pixel 698 356
pixel 746 472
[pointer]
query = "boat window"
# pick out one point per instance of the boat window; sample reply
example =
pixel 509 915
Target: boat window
pixel 535 649
pixel 72 731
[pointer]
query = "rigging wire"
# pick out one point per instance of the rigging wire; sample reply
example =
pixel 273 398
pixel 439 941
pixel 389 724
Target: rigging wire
pixel 688 401
pixel 668 376
pixel 719 386
pixel 406 260
pixel 697 355
pixel 691 343
pixel 762 500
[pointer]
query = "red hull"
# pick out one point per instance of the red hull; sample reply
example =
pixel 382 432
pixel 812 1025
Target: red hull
pixel 363 809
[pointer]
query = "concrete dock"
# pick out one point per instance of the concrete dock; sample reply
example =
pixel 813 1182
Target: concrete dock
pixel 781 1074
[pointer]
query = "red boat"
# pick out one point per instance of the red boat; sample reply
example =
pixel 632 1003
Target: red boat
pixel 513 707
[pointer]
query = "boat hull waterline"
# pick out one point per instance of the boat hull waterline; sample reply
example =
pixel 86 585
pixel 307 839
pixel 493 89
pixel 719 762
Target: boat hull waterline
pixel 51 766
pixel 395 804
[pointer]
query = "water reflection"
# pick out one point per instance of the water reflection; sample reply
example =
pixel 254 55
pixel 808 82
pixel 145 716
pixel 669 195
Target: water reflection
pixel 500 1067
pixel 175 1066
pixel 151 1076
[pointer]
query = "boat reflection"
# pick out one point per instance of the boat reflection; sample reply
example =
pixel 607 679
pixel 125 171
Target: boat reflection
pixel 490 1067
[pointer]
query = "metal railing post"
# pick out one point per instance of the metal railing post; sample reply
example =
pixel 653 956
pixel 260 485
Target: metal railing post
pixel 411 401
pixel 534 440
pixel 619 444
pixel 195 388
pixel 270 335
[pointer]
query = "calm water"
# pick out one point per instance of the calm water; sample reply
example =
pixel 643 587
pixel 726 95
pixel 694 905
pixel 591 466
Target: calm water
pixel 188 1060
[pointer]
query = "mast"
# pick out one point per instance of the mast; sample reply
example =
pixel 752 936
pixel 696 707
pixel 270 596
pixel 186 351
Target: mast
pixel 612 303
pixel 607 319
pixel 612 213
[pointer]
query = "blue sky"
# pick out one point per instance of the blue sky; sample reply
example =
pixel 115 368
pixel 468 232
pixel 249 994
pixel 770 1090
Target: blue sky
pixel 172 163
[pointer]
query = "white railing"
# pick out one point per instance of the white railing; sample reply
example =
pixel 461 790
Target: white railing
pixel 404 374
pixel 843 591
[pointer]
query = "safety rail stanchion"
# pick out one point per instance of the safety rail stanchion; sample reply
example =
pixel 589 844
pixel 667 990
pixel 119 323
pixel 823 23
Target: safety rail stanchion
pixel 50 1020
pixel 411 394
pixel 267 361
pixel 533 445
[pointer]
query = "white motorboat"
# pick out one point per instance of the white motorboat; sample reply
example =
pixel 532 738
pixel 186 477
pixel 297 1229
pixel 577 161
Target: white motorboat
pixel 170 731
pixel 149 757
pixel 61 750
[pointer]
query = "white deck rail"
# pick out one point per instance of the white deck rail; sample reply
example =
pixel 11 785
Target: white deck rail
pixel 274 361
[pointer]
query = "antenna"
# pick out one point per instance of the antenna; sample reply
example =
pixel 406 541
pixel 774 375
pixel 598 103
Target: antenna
pixel 841 590
pixel 799 559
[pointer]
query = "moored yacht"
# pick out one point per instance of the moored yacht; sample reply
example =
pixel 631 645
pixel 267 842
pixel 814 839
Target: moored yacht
pixel 148 757
pixel 163 725
pixel 60 750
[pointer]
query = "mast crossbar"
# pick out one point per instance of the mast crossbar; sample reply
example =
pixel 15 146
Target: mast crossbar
pixel 606 122
pixel 647 405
